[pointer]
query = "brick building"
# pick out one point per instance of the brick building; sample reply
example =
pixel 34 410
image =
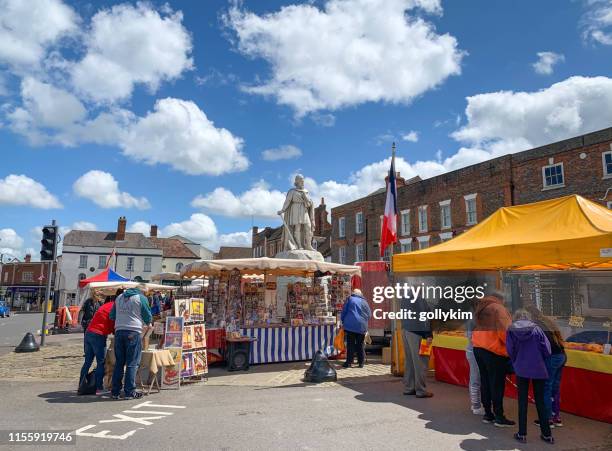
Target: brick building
pixel 438 208
pixel 23 283
pixel 268 242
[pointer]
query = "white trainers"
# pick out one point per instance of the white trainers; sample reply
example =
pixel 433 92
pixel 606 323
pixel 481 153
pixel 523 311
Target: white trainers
pixel 479 411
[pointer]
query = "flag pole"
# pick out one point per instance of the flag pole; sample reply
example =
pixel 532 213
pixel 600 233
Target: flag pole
pixel 394 329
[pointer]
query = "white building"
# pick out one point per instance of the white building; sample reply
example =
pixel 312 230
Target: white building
pixel 85 254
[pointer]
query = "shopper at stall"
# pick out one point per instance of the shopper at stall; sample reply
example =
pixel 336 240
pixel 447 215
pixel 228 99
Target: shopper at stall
pixel 554 365
pixel 415 364
pixel 528 349
pixel 489 340
pixel 100 327
pixel 89 309
pixel 355 315
pixel 131 313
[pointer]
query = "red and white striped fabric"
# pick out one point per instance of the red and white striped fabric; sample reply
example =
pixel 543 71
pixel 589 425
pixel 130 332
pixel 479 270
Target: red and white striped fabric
pixel 388 234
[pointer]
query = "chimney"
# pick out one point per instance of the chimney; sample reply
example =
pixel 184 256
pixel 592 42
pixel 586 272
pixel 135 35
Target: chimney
pixel 28 258
pixel 399 180
pixel 121 229
pixel 153 231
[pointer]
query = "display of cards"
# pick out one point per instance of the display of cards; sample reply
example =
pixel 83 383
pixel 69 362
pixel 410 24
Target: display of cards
pixel 187 366
pixel 188 342
pixel 174 324
pixel 197 309
pixel 182 307
pixel 199 336
pixel 200 363
pixel 174 332
pixel 171 375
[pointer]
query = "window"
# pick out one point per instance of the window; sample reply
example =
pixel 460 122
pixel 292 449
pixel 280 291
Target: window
pixel 83 261
pixel 359 252
pixel 82 276
pixel 359 222
pixel 423 218
pixel 609 206
pixel 607 164
pixel 179 266
pixel 471 216
pixel 446 236
pixel 101 261
pixel 147 264
pixel 342 255
pixel 341 227
pixel 406 245
pixel 423 242
pixel 6 274
pixel 445 214
pixel 130 264
pixel 552 175
pixel 27 276
pixel 387 256
pixel 405 222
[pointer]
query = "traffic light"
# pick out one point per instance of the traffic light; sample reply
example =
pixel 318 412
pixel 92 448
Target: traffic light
pixel 49 243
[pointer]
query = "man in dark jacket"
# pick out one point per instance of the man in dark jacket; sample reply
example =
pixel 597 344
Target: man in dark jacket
pixel 415 364
pixel 355 315
pixel 89 310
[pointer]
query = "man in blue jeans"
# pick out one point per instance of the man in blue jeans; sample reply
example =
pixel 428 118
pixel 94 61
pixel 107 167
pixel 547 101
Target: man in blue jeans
pixel 131 313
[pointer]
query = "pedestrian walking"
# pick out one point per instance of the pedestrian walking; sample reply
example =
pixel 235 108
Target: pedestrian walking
pixel 355 315
pixel 100 327
pixel 489 340
pixel 528 349
pixel 416 365
pixel 554 365
pixel 131 313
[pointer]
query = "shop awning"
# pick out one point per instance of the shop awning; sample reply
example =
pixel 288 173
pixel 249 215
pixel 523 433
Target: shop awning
pixel 265 265
pixel 564 233
pixel 108 275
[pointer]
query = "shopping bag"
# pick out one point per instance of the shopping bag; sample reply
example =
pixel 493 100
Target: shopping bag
pixel 87 386
pixel 339 341
pixel 425 348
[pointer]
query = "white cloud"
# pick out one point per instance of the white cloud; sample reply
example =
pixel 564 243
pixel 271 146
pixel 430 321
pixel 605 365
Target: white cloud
pixel 199 228
pixel 101 188
pixel 240 239
pixel 546 62
pixel 141 227
pixel 128 45
pixel 50 106
pixel 28 28
pixel 22 190
pixel 509 119
pixel 411 136
pixel 179 134
pixel 347 53
pixel 286 152
pixel 597 21
pixel 258 201
pixel 10 242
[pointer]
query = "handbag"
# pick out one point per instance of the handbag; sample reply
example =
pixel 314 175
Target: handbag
pixel 339 342
pixel 87 385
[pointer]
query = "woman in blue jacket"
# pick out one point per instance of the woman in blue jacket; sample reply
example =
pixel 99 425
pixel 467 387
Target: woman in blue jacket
pixel 355 315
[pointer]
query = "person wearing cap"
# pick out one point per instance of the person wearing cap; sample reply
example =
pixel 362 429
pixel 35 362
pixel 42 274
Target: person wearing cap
pixel 355 315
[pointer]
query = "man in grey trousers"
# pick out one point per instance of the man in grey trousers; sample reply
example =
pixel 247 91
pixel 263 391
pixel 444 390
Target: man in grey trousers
pixel 415 365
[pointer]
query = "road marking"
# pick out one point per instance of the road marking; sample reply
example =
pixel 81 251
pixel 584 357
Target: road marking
pixel 122 418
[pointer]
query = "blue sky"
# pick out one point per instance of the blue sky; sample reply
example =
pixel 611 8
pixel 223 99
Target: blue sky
pixel 174 104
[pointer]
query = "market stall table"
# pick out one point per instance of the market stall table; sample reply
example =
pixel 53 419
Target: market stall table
pixel 151 362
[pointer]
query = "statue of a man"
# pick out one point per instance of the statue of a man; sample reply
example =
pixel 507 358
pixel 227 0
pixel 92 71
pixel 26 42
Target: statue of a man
pixel 298 215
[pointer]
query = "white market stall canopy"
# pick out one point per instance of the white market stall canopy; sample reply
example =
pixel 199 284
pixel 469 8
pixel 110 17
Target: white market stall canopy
pixel 166 276
pixel 109 288
pixel 265 265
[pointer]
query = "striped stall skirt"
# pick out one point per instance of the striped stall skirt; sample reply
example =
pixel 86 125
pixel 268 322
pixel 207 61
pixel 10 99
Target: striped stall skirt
pixel 287 344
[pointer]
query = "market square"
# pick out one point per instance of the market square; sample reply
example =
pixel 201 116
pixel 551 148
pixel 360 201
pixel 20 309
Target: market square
pixel 330 224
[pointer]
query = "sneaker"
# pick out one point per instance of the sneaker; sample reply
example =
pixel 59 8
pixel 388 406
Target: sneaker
pixel 488 419
pixel 115 397
pixel 550 423
pixel 409 392
pixel 504 423
pixel 346 365
pixel 102 392
pixel 479 411
pixel 520 438
pixel 427 394
pixel 361 365
pixel 557 422
pixel 550 440
pixel 135 395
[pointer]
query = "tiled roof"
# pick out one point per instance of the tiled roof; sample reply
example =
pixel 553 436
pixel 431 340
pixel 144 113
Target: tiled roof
pixel 173 248
pixel 233 252
pixel 88 238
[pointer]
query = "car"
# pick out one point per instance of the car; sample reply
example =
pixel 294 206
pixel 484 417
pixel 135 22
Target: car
pixel 5 310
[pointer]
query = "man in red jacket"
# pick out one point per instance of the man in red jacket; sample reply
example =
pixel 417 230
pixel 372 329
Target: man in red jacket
pixel 95 343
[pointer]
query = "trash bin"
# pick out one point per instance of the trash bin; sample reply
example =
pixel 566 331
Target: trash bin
pixel 74 312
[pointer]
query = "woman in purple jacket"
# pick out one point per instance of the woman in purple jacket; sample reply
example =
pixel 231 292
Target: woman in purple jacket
pixel 528 349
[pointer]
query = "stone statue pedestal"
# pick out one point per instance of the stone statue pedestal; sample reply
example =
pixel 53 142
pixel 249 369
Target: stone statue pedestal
pixel 301 254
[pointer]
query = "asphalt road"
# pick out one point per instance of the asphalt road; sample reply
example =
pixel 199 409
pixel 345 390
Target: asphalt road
pixel 354 416
pixel 13 328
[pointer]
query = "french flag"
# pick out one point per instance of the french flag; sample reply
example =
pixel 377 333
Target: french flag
pixel 388 234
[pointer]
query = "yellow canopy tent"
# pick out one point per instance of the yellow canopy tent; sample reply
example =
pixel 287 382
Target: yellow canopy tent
pixel 568 232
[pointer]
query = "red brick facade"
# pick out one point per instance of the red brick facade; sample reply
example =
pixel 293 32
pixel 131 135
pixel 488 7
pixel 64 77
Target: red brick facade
pixel 22 278
pixel 504 181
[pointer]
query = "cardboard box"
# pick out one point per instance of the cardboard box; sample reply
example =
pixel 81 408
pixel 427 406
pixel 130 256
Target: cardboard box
pixel 386 356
